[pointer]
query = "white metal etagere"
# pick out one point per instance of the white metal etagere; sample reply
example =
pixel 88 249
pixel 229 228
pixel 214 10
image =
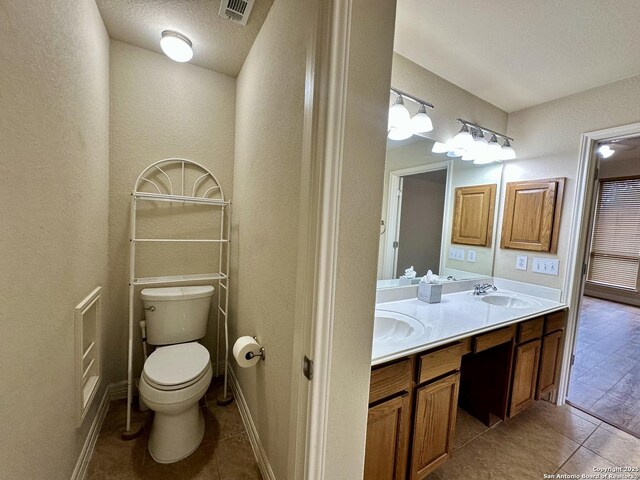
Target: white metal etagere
pixel 205 190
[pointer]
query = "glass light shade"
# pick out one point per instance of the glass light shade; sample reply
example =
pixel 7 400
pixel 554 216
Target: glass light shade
pixel 440 147
pixel 454 153
pixel 463 138
pixel 508 153
pixel 480 145
pixel 399 115
pixel 483 161
pixel 421 121
pixel 494 147
pixel 176 46
pixel 468 156
pixel 399 133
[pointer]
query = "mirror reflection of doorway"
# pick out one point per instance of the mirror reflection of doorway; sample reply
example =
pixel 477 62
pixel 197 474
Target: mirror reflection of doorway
pixel 421 211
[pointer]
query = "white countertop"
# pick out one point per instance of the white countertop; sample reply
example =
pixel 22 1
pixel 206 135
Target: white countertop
pixel 457 316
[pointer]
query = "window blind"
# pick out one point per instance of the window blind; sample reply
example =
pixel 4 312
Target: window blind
pixel 615 245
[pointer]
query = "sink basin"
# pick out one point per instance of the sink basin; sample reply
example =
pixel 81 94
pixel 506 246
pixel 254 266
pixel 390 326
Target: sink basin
pixel 510 301
pixel 392 327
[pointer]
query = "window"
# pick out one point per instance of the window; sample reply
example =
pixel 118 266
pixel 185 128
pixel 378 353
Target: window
pixel 615 246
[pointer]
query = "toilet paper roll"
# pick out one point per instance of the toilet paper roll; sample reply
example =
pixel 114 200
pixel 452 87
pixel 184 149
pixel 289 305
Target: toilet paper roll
pixel 241 349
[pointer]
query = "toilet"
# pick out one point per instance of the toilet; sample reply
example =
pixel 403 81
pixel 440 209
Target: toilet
pixel 178 373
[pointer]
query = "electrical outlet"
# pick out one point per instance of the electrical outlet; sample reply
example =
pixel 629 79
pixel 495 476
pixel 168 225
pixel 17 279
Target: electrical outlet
pixel 471 256
pixel 456 253
pixel 521 262
pixel 548 266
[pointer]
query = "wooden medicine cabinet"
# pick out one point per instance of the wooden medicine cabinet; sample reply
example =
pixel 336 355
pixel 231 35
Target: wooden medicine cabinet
pixel 532 215
pixel 473 215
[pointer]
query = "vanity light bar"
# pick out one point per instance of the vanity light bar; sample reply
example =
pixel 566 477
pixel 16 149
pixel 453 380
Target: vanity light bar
pixel 413 98
pixel 484 129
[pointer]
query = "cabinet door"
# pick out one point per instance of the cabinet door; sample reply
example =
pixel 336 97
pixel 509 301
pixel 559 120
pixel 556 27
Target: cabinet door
pixel 387 440
pixel 473 215
pixel 525 376
pixel 550 359
pixel 434 425
pixel 531 219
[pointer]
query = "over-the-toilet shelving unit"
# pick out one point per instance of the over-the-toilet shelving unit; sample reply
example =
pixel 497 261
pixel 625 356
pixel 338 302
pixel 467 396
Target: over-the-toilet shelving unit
pixel 205 190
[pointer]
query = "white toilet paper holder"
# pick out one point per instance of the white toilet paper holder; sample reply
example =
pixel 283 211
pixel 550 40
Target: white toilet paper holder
pixel 251 355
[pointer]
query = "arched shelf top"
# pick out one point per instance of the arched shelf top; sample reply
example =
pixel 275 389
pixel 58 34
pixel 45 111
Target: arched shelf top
pixel 179 180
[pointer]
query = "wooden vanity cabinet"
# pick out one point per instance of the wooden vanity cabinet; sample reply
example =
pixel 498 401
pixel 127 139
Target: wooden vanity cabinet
pixel 525 376
pixel 434 425
pixel 551 355
pixel 389 421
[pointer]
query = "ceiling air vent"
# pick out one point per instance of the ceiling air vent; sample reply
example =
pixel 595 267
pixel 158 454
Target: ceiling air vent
pixel 236 10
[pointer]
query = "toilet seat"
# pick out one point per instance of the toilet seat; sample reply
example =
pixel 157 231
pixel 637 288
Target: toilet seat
pixel 174 367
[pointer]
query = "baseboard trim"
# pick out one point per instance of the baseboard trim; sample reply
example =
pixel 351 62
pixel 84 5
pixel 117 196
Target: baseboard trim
pixel 252 431
pixel 80 472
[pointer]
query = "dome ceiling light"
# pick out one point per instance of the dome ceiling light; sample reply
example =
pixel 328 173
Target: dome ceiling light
pixel 176 46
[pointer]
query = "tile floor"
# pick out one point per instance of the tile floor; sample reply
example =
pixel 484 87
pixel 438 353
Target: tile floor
pixel 225 453
pixel 605 379
pixel 544 439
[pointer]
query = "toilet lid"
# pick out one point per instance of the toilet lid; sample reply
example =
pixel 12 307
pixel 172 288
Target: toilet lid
pixel 176 364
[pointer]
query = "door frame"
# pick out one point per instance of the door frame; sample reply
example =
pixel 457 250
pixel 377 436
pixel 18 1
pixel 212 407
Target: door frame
pixel 394 204
pixel 580 230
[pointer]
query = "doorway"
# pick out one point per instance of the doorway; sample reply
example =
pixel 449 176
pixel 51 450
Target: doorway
pixel 605 376
pixel 420 217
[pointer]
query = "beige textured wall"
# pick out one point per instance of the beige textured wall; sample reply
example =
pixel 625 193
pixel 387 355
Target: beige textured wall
pixel 269 119
pixel 160 109
pixel 54 132
pixel 548 145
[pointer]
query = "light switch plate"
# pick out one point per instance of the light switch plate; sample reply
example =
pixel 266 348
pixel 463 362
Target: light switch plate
pixel 548 266
pixel 471 256
pixel 456 253
pixel 521 262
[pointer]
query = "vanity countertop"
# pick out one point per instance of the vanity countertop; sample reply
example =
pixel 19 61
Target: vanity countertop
pixel 457 316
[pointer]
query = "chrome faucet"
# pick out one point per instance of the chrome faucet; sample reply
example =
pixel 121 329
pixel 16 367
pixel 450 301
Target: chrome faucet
pixel 483 288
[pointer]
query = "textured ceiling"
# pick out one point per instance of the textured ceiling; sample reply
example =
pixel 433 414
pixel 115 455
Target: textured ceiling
pixel 218 44
pixel 519 53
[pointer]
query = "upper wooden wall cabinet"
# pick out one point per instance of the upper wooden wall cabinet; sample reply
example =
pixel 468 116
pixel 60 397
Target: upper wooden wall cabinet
pixel 473 215
pixel 532 215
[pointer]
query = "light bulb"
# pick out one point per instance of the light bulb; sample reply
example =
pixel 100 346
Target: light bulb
pixel 399 133
pixel 176 46
pixel 508 153
pixel 399 115
pixel 463 138
pixel 421 122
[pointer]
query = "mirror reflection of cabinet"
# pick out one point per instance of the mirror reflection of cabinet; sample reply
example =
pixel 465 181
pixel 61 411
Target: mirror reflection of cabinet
pixel 473 215
pixel 532 215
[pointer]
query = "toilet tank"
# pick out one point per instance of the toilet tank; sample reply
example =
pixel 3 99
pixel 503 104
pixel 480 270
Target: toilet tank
pixel 176 314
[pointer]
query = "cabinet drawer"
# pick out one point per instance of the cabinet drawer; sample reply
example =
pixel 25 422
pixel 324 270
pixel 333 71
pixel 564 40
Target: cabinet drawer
pixel 439 362
pixel 390 379
pixel 555 321
pixel 493 339
pixel 530 330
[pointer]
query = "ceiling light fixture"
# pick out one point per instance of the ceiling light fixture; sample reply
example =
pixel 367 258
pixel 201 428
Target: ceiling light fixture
pixel 401 125
pixel 471 144
pixel 176 46
pixel 606 151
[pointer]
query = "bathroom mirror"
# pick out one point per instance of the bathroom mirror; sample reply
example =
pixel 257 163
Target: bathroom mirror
pixel 418 214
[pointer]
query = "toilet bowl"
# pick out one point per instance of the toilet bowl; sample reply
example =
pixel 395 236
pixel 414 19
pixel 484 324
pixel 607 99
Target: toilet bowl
pixel 173 380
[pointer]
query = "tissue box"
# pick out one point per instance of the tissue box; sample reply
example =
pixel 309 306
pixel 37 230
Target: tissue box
pixel 430 292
